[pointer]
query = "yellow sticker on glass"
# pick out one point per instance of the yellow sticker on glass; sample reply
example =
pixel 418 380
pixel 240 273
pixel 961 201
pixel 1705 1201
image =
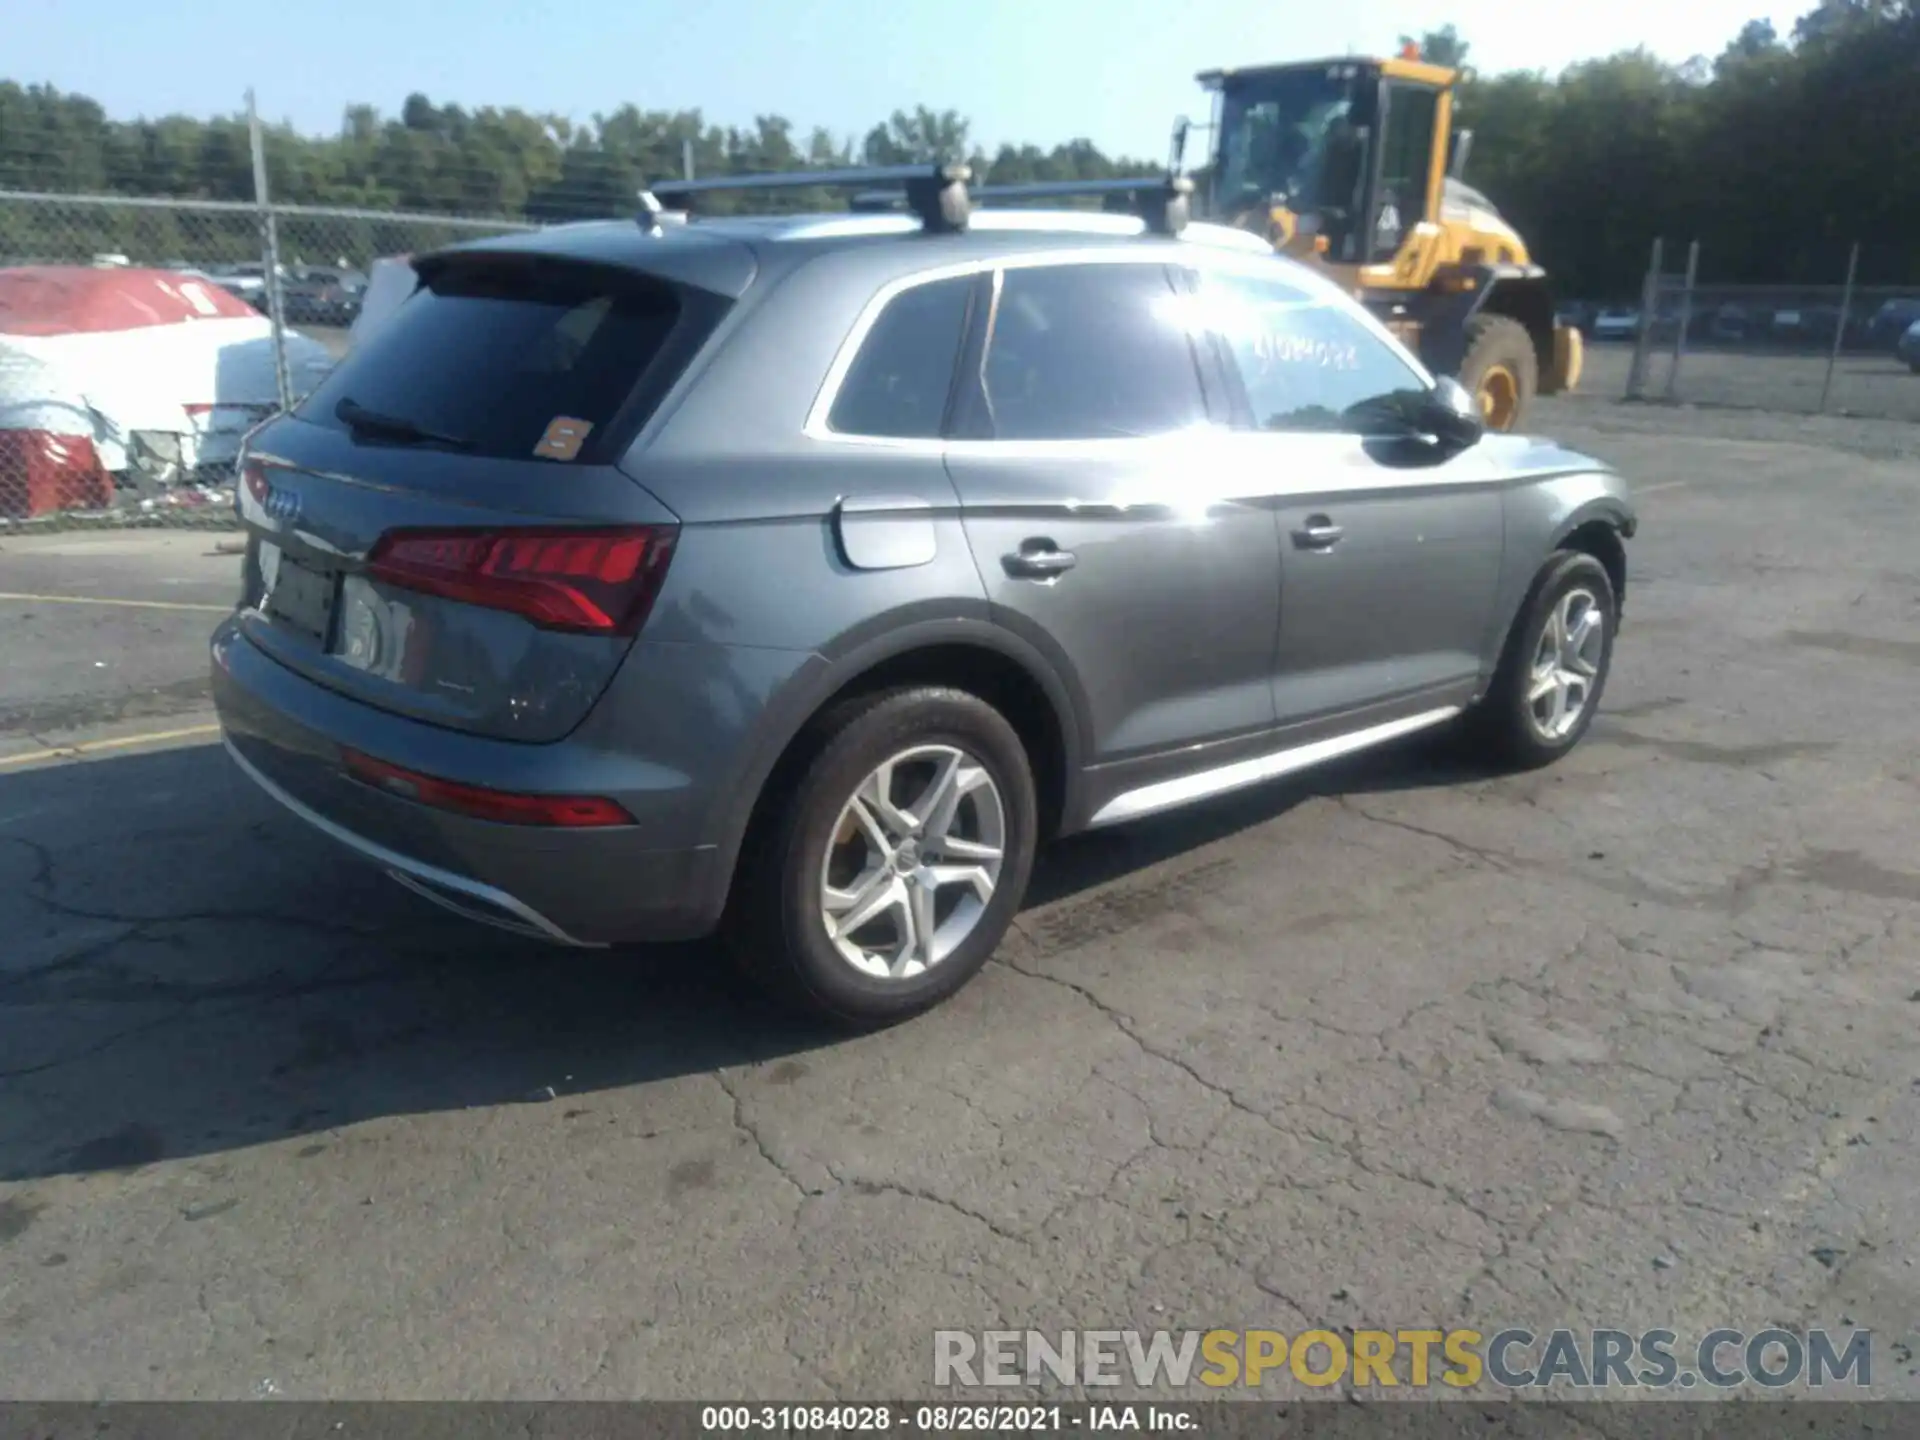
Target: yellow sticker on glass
pixel 565 435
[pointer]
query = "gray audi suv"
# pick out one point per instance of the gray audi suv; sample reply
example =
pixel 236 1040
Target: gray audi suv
pixel 793 578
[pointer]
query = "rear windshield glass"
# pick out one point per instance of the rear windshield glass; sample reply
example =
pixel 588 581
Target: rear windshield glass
pixel 503 359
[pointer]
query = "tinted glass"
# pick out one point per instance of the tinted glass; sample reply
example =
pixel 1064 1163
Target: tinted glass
pixel 899 381
pixel 1089 352
pixel 494 355
pixel 1406 160
pixel 1306 363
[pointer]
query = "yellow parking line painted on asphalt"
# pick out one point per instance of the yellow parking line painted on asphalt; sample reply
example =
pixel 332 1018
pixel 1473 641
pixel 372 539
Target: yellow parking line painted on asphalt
pixel 89 747
pixel 98 600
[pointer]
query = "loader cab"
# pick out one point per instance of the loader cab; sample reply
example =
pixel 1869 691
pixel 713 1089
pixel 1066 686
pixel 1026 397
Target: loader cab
pixel 1340 159
pixel 1354 165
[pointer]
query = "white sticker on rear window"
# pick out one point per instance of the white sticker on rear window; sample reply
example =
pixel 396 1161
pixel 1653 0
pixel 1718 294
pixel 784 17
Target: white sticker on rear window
pixel 563 439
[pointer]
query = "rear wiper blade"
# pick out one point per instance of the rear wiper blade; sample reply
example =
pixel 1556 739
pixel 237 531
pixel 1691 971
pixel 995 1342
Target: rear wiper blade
pixel 394 427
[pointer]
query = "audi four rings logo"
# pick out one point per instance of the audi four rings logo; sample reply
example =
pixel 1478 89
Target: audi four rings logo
pixel 281 503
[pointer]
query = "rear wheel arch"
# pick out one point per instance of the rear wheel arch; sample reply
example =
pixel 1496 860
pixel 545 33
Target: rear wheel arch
pixel 981 659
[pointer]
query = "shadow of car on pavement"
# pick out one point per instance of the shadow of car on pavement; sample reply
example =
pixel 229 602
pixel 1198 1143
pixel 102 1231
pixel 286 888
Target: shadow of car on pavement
pixel 192 971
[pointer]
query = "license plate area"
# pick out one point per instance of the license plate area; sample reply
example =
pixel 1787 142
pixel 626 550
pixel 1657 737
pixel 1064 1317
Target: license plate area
pixel 299 596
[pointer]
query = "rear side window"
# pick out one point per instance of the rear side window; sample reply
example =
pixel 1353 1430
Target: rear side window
pixel 899 381
pixel 1089 352
pixel 510 360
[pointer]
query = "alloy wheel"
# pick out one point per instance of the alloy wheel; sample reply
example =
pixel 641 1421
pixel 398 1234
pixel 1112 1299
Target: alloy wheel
pixel 1566 664
pixel 913 861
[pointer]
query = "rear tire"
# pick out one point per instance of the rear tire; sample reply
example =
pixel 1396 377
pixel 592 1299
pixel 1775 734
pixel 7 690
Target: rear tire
pixel 1549 682
pixel 916 804
pixel 1500 369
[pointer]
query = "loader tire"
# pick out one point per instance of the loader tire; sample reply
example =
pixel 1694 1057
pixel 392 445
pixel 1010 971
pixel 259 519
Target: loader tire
pixel 1500 369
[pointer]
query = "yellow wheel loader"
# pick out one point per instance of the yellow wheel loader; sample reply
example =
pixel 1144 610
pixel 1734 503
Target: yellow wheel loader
pixel 1354 165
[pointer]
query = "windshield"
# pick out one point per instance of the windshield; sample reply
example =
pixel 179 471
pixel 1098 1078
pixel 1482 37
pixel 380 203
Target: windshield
pixel 1278 131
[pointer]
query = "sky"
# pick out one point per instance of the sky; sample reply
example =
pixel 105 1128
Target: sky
pixel 1114 71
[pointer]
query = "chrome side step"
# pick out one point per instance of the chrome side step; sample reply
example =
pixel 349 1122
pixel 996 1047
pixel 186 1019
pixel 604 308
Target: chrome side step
pixel 1205 784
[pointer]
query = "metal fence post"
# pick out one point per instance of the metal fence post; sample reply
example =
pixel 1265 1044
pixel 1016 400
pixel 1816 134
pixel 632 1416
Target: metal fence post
pixel 686 160
pixel 1840 330
pixel 270 244
pixel 1643 333
pixel 1686 319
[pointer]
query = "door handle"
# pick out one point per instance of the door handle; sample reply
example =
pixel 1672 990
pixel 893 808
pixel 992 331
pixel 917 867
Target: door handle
pixel 1319 533
pixel 1039 560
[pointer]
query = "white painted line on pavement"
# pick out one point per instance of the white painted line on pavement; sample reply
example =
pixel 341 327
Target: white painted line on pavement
pixel 99 600
pixel 89 747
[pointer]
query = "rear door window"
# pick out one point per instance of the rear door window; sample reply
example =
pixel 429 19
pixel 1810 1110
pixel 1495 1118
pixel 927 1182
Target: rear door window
pixel 492 357
pixel 898 384
pixel 1089 352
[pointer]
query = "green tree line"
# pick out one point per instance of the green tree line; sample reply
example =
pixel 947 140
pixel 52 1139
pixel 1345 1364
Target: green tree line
pixel 1776 155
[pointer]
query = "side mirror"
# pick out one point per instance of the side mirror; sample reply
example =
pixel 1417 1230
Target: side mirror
pixel 1181 128
pixel 1452 414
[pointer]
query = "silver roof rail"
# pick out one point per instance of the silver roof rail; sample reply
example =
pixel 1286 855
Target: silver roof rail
pixel 1162 201
pixel 936 193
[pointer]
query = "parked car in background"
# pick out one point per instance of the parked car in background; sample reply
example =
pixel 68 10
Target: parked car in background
pixel 245 281
pixel 1892 322
pixel 1729 323
pixel 321 295
pixel 1789 325
pixel 796 578
pixel 125 379
pixel 1908 347
pixel 1575 314
pixel 1616 322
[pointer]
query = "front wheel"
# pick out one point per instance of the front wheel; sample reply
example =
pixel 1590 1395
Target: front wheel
pixel 1555 665
pixel 884 879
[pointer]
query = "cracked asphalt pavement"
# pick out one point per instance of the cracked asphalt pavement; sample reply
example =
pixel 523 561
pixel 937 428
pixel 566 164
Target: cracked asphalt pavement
pixel 1631 1042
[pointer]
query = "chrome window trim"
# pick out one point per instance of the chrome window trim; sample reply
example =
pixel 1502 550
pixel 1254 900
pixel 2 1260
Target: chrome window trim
pixel 817 428
pixel 1268 265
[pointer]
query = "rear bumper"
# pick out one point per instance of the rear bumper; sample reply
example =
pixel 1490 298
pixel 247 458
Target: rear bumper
pixel 590 887
pixel 458 893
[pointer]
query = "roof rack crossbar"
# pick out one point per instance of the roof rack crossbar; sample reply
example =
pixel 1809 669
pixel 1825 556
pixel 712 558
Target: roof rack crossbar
pixel 1162 201
pixel 936 193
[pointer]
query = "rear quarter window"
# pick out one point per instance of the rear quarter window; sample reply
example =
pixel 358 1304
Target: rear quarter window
pixel 494 353
pixel 898 384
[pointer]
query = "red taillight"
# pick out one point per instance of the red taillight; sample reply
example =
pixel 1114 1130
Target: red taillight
pixel 601 581
pixel 566 811
pixel 256 475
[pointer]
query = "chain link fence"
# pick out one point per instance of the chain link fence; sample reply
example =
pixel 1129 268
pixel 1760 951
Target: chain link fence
pixel 138 342
pixel 1798 349
pixel 142 334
